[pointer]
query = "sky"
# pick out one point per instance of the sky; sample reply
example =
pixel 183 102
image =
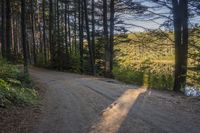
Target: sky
pixel 155 24
pixel 140 23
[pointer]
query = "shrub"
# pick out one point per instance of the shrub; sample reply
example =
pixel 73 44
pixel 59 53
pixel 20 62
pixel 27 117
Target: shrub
pixel 15 89
pixel 8 71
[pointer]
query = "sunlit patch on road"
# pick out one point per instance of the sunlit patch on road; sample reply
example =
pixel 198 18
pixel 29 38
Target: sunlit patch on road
pixel 114 115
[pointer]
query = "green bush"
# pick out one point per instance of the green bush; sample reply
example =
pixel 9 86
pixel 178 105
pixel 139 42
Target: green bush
pixel 8 71
pixel 17 95
pixel 15 88
pixel 74 63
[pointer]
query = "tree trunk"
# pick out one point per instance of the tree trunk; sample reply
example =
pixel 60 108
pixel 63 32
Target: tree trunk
pixel 23 28
pixel 69 29
pixel 106 40
pixel 75 27
pixel 44 31
pixel 3 48
pixel 58 38
pixel 8 30
pixel 81 20
pixel 33 32
pixel 52 47
pixel 93 34
pixel 180 14
pixel 112 26
pixel 88 38
pixel 66 31
pixel 184 46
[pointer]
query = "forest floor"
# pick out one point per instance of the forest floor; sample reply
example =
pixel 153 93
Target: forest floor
pixel 84 104
pixel 20 119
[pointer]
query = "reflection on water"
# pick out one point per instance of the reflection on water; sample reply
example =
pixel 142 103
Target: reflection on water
pixel 192 91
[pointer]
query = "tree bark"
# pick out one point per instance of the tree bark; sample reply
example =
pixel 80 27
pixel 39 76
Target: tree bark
pixel 93 34
pixel 33 32
pixel 75 26
pixel 112 27
pixel 106 40
pixel 180 14
pixel 88 38
pixel 3 48
pixel 52 47
pixel 8 30
pixel 69 29
pixel 81 18
pixel 66 31
pixel 44 31
pixel 23 28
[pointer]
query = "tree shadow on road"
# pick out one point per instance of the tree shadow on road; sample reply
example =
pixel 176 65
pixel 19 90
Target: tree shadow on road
pixel 144 110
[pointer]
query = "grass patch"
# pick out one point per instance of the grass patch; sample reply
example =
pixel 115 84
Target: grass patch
pixel 128 76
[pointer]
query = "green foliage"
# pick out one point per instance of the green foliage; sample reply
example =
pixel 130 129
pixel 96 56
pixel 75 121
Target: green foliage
pixel 8 71
pixel 74 63
pixel 99 56
pixel 14 87
pixel 128 76
pixel 148 59
pixel 160 81
pixel 16 95
pixel 146 78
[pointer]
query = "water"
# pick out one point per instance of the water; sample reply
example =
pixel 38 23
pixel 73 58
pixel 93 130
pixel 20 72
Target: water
pixel 192 91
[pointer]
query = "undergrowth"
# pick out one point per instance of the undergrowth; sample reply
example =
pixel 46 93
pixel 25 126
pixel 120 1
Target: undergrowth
pixel 15 88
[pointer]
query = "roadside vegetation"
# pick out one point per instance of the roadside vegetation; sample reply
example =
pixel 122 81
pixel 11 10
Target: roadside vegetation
pixel 15 89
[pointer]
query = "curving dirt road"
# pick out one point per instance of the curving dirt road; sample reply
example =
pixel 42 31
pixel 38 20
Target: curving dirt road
pixel 84 104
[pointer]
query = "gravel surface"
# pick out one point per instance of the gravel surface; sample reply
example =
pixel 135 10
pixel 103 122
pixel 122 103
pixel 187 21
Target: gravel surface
pixel 84 104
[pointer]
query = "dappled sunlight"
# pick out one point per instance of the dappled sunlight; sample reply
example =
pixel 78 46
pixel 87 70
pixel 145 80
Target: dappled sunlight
pixel 114 115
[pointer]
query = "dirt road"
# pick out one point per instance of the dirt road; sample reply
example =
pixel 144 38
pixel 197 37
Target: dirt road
pixel 83 104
